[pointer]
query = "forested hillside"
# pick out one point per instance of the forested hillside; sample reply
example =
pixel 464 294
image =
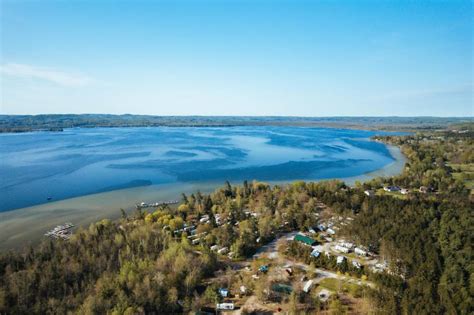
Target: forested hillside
pixel 145 262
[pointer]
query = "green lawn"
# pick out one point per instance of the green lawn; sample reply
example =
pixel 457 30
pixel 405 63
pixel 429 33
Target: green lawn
pixel 337 285
pixel 464 172
pixel 382 192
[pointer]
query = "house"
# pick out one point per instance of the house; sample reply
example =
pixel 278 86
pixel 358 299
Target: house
pixel 304 239
pixel 243 289
pixel 308 285
pixel 224 292
pixel 312 231
pixel 369 193
pixel 225 306
pixel 196 241
pixel 331 231
pixel 360 251
pixel 391 188
pixel 319 248
pixel 356 264
pixel 315 253
pixel 340 259
pixel 341 249
pixel 347 245
pixel 214 248
pixel 404 191
pixel 321 227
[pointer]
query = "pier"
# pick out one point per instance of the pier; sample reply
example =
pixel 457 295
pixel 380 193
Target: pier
pixel 61 231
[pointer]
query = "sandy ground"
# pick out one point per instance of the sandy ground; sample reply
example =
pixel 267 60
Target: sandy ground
pixel 27 225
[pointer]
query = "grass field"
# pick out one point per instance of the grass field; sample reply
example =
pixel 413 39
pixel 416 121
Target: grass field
pixel 465 173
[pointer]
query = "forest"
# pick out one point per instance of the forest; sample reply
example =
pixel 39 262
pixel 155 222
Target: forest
pixel 144 262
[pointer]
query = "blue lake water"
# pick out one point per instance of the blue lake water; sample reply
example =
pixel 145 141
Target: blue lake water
pixel 76 162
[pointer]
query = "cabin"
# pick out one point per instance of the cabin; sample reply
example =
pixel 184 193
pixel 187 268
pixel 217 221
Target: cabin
pixel 347 245
pixel 341 249
pixel 304 239
pixel 360 251
pixel 340 259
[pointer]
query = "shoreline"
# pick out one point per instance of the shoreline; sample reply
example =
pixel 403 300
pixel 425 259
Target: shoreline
pixel 25 226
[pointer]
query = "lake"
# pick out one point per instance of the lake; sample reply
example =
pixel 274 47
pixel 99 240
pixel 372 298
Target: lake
pixel 77 162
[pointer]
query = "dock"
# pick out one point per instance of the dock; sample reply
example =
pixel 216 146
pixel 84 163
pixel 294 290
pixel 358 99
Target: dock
pixel 61 231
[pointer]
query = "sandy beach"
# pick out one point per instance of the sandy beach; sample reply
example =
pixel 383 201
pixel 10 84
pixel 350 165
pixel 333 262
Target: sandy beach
pixel 25 226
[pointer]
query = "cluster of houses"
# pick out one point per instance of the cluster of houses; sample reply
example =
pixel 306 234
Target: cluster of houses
pixel 61 231
pixel 341 247
pixel 403 191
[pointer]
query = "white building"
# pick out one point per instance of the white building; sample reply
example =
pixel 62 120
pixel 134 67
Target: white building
pixel 360 251
pixel 308 285
pixel 356 264
pixel 225 306
pixel 340 259
pixel 331 231
pixel 341 249
pixel 347 245
pixel 369 193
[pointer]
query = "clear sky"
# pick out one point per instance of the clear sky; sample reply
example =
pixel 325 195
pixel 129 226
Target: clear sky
pixel 298 58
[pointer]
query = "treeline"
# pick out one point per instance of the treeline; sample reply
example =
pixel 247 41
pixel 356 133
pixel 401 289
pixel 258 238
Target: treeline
pixel 57 122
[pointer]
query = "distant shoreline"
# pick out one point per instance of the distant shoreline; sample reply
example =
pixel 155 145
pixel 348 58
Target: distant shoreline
pixel 59 122
pixel 24 226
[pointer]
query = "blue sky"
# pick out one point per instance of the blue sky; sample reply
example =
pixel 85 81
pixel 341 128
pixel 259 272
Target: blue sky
pixel 299 58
